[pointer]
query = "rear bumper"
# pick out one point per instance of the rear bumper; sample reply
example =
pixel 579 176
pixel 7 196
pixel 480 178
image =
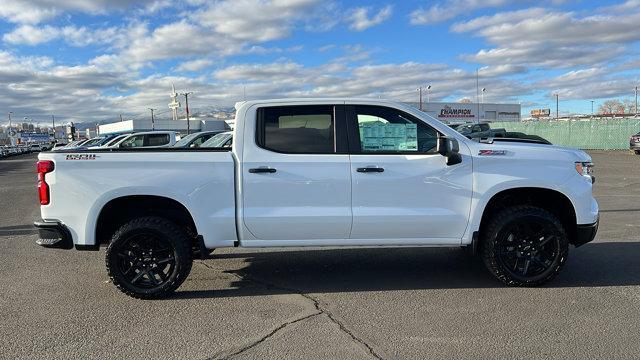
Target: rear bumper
pixel 585 233
pixel 53 234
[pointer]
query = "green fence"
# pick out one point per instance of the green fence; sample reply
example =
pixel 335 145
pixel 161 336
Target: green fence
pixel 596 134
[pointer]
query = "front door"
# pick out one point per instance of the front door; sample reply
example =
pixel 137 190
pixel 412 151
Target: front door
pixel 401 187
pixel 296 174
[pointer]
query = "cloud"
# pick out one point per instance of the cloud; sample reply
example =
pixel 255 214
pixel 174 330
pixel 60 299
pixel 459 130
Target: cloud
pixel 75 36
pixel 256 20
pixel 194 65
pixel 360 20
pixel 35 11
pixel 451 9
pixel 538 38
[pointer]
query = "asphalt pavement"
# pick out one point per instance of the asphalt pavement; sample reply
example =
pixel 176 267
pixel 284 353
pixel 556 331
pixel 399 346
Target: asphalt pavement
pixel 399 303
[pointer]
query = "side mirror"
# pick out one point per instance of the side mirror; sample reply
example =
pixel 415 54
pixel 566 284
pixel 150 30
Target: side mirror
pixel 450 149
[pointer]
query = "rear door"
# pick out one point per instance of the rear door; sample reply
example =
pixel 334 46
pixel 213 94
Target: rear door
pixel 296 180
pixel 402 188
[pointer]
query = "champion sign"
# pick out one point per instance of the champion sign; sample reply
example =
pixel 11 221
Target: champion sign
pixel 449 112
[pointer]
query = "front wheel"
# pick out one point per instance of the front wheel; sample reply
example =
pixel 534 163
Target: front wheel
pixel 524 246
pixel 149 257
pixel 637 152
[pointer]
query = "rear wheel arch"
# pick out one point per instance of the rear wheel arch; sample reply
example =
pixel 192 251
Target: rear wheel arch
pixel 120 210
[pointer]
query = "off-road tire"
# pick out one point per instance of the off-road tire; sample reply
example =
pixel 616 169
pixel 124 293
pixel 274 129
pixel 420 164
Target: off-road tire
pixel 491 235
pixel 171 235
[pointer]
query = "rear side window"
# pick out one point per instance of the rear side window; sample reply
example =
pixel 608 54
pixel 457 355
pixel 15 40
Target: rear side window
pixel 297 129
pixel 157 139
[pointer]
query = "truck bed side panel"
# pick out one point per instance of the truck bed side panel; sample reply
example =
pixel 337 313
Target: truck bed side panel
pixel 82 184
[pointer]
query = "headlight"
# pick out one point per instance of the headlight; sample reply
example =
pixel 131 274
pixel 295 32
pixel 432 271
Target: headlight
pixel 584 168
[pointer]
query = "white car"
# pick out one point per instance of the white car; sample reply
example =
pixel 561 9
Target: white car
pixel 320 172
pixel 151 139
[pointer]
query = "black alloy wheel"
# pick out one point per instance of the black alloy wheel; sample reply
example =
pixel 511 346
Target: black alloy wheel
pixel 149 257
pixel 524 246
pixel 146 260
pixel 528 248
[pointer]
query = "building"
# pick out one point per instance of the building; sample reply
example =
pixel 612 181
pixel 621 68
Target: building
pixel 455 113
pixel 162 125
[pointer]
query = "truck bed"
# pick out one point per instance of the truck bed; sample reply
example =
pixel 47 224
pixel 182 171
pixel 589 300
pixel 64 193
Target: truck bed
pixel 83 182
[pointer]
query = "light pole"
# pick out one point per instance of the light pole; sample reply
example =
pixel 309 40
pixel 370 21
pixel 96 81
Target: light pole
pixel 636 101
pixel 186 105
pixel 557 105
pixel 591 108
pixel 419 98
pixel 10 112
pixel 153 124
pixel 482 101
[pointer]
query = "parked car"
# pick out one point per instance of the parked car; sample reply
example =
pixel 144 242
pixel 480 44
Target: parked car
pixel 35 148
pixel 72 144
pixel 111 141
pixel 484 131
pixel 221 140
pixel 151 139
pixel 196 139
pixel 634 143
pixel 321 172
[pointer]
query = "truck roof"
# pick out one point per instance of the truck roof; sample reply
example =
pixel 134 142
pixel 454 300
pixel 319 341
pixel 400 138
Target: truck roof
pixel 317 100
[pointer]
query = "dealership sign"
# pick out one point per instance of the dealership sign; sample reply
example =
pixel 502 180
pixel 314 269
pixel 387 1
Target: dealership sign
pixel 451 112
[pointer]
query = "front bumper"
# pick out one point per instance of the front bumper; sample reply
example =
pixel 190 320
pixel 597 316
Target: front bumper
pixel 586 233
pixel 53 234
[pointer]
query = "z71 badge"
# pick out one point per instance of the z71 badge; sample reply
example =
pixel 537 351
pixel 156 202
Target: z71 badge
pixel 492 152
pixel 81 157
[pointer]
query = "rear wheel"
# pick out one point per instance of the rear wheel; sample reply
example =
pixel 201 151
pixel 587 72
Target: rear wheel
pixel 524 246
pixel 637 152
pixel 149 257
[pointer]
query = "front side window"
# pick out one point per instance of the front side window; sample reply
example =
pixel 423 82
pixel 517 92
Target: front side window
pixel 297 129
pixel 387 130
pixel 157 139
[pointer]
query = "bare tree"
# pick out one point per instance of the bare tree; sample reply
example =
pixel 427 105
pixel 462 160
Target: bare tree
pixel 610 107
pixel 629 106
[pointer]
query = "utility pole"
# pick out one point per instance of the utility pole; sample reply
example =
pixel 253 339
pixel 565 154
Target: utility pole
pixel 557 105
pixel 120 117
pixel 482 102
pixel 636 101
pixel 53 123
pixel 591 108
pixel 186 105
pixel 420 98
pixel 153 123
pixel 478 92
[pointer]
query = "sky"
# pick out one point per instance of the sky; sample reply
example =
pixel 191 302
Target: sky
pixel 92 60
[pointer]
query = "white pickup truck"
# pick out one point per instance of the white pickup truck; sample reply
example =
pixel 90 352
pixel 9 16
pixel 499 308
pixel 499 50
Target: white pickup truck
pixel 321 172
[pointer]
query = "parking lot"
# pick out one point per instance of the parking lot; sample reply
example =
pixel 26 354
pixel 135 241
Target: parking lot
pixel 398 303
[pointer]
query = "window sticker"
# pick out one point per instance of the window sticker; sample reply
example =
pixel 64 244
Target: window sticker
pixel 377 136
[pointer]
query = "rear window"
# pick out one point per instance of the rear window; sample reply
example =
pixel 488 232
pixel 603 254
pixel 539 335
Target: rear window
pixel 297 129
pixel 157 139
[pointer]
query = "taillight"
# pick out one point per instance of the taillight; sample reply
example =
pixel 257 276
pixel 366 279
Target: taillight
pixel 44 167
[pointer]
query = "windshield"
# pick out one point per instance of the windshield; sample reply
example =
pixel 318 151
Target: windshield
pixel 92 142
pixel 219 140
pixel 115 139
pixel 185 140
